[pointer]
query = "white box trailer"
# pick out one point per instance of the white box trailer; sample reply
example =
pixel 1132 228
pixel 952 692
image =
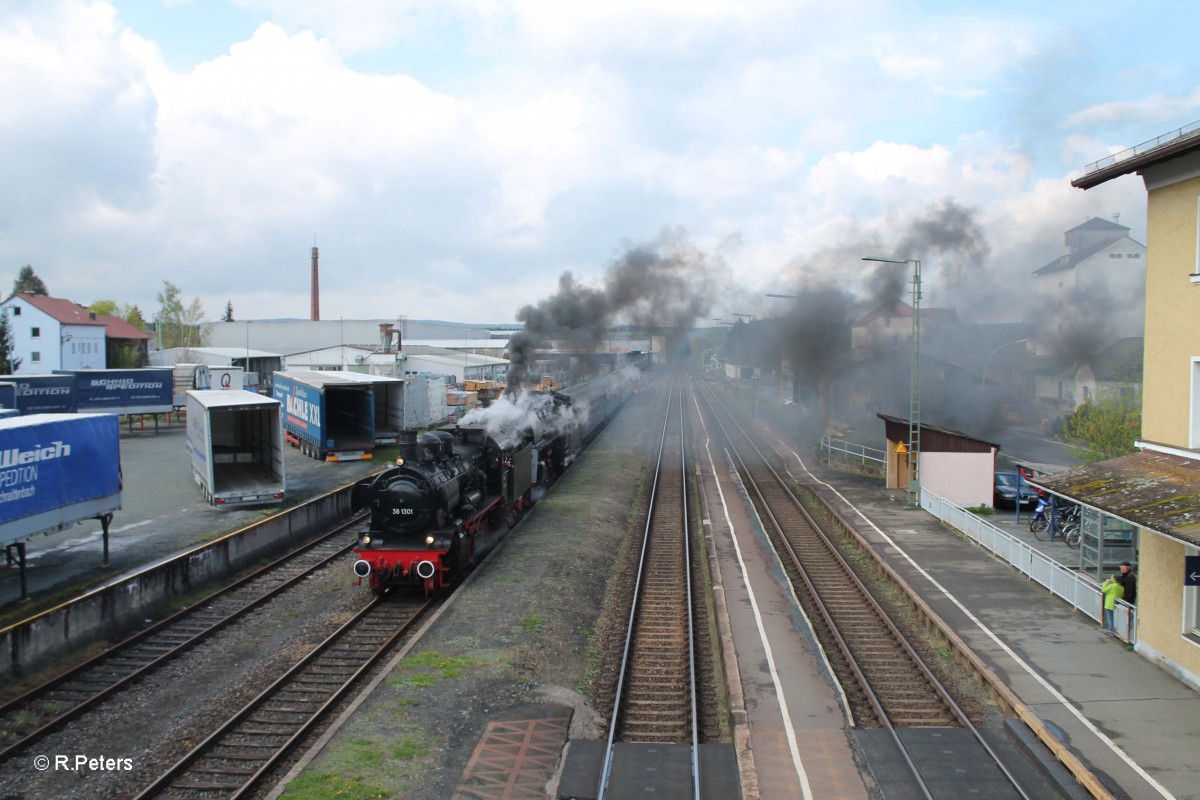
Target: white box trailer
pixel 231 378
pixel 188 377
pixel 235 440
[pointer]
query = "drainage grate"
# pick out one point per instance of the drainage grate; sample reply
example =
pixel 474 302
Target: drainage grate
pixel 514 760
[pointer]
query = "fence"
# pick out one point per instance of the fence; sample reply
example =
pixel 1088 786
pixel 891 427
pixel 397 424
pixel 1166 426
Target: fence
pixel 1081 592
pixel 839 452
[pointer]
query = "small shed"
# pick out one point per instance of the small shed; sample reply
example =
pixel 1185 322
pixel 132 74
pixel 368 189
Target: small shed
pixel 953 465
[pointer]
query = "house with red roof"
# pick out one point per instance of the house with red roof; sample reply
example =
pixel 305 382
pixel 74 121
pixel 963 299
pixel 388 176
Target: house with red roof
pixel 50 333
pixel 890 324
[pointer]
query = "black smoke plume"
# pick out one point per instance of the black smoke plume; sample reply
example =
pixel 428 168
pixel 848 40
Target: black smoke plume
pixel 664 283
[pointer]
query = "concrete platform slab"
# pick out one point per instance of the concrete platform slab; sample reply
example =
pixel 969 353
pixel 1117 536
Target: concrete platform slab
pixel 659 771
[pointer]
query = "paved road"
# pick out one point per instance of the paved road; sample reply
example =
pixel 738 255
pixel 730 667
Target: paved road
pixel 162 512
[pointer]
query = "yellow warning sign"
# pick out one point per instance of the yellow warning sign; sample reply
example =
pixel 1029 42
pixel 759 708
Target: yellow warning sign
pixel 900 448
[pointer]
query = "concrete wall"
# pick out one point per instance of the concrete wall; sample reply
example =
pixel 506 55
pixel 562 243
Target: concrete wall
pixel 962 478
pixel 1168 398
pixel 106 612
pixel 1172 306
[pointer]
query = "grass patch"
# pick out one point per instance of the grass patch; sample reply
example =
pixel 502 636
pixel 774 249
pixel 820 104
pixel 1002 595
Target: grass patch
pixel 323 785
pixel 429 669
pixel 410 749
pixel 981 510
pixel 532 624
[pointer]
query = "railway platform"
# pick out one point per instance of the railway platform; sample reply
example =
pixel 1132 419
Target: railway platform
pixel 1129 721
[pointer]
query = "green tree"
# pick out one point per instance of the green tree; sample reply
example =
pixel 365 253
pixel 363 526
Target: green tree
pixel 228 315
pixel 133 315
pixel 29 283
pixel 106 308
pixel 178 325
pixel 1104 428
pixel 126 356
pixel 8 363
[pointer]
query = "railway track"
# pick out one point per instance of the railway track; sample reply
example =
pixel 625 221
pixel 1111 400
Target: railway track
pixel 886 681
pixel 656 694
pixel 232 760
pixel 45 708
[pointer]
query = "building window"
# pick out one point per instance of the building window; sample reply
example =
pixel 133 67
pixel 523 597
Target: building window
pixel 1116 255
pixel 1133 255
pixel 35 357
pixel 16 311
pixel 1196 266
pixel 1194 407
pixel 35 333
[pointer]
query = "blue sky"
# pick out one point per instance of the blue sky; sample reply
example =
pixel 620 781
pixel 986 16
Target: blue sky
pixel 451 160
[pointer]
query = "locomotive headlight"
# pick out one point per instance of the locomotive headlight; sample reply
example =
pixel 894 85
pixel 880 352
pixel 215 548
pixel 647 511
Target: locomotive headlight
pixel 429 539
pixel 399 462
pixel 367 538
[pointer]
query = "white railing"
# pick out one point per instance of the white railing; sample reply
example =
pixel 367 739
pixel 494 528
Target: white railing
pixel 1187 130
pixel 1080 592
pixel 850 453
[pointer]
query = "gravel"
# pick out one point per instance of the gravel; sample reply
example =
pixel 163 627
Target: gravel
pixel 523 634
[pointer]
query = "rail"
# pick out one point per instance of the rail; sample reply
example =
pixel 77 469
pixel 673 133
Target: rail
pixel 899 687
pixel 1080 592
pixel 655 698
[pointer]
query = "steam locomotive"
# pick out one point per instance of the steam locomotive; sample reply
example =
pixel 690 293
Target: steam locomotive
pixel 455 491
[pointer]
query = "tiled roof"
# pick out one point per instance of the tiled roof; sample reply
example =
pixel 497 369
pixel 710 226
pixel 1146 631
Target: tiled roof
pixel 69 313
pixel 63 311
pixel 116 328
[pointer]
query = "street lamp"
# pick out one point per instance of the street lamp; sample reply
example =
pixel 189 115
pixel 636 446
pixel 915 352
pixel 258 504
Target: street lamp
pixel 914 380
pixel 983 372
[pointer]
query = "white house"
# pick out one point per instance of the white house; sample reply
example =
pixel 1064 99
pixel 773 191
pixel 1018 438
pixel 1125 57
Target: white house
pixel 49 334
pixel 1094 291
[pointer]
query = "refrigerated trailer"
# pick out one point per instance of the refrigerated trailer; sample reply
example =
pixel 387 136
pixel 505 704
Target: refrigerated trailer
pixel 327 416
pixel 235 440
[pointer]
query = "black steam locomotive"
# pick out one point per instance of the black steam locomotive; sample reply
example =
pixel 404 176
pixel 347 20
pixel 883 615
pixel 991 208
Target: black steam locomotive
pixel 456 490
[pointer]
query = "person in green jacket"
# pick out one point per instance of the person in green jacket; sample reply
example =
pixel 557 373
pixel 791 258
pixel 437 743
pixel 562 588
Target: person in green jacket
pixel 1113 591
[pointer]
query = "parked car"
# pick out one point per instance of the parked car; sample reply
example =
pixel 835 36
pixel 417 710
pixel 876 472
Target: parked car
pixel 1005 491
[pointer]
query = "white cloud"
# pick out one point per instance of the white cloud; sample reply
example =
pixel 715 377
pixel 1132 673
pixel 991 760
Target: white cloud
pixel 1151 109
pixel 545 138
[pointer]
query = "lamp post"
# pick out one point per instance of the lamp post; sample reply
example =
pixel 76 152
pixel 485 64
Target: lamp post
pixel 983 372
pixel 914 380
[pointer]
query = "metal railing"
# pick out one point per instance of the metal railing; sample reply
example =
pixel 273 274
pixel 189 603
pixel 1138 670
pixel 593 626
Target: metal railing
pixel 1187 130
pixel 850 453
pixel 1079 591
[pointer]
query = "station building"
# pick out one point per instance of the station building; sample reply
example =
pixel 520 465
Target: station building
pixel 1155 493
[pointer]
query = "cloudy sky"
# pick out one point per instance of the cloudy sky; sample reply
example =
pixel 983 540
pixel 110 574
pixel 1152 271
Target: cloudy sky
pixel 451 160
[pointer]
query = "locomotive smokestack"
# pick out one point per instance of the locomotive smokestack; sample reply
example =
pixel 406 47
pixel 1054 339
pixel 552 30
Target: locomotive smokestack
pixel 315 292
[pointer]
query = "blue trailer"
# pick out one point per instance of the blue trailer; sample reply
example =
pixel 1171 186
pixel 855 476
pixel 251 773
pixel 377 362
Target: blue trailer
pixel 125 391
pixel 56 470
pixel 388 403
pixel 45 394
pixel 327 416
pixel 8 396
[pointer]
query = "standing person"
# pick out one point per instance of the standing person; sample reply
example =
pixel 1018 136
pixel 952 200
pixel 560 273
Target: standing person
pixel 1128 580
pixel 1112 590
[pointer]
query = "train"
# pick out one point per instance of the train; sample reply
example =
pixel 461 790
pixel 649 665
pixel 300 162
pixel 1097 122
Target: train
pixel 455 491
